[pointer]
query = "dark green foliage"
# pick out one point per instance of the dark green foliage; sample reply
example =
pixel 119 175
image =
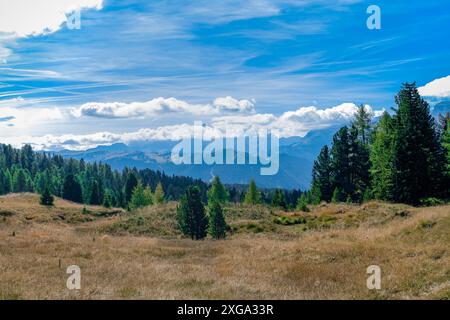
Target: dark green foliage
pixel 381 157
pixel 341 162
pixel 338 195
pixel 141 197
pixel 130 185
pixel 404 160
pixel 95 197
pixel 279 200
pixel 47 198
pixel 72 189
pixel 217 224
pixel 321 181
pixel 107 202
pixel 418 157
pixel 303 203
pixel 22 170
pixel 191 216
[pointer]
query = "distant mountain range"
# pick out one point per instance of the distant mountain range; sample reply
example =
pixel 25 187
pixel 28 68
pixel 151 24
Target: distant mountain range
pixel 296 158
pixel 297 155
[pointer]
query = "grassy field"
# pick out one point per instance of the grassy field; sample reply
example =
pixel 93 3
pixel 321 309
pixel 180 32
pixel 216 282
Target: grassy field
pixel 268 254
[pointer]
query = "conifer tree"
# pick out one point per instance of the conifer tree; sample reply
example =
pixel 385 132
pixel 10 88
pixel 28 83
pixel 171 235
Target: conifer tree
pixel 46 197
pixel 159 194
pixel 130 184
pixel 95 194
pixel 338 196
pixel 417 153
pixel 341 163
pixel 302 203
pixel 107 201
pixel 217 224
pixel 322 184
pixel 141 197
pixel 191 216
pixel 279 200
pixel 72 189
pixel 217 192
pixel 381 157
pixel 362 123
pixel 253 196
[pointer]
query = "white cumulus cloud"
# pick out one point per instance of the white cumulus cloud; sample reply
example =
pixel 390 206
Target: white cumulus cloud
pixel 160 107
pixel 439 88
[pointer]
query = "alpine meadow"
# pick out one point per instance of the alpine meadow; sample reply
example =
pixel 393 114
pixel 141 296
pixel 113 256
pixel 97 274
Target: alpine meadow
pixel 210 154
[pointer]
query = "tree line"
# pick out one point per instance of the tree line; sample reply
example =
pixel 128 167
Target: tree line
pixel 404 158
pixel 24 170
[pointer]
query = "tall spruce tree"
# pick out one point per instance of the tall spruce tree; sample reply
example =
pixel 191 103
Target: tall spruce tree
pixel 130 184
pixel 95 194
pixel 381 157
pixel 359 165
pixel 341 164
pixel 72 189
pixel 417 154
pixel 191 217
pixel 322 187
pixel 217 224
pixel 362 123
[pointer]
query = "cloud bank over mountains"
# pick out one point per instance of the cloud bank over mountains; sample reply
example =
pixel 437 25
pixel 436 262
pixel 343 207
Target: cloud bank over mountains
pixel 225 117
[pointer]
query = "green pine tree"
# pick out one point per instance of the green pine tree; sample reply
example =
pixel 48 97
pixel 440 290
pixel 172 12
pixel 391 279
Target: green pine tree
pixel 302 203
pixel 72 189
pixel 130 184
pixel 253 196
pixel 418 159
pixel 191 217
pixel 217 192
pixel 217 224
pixel 141 197
pixel 381 157
pixel 159 194
pixel 321 182
pixel 279 200
pixel 107 201
pixel 47 198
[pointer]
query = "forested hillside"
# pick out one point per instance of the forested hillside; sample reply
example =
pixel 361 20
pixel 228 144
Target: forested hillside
pixel 92 183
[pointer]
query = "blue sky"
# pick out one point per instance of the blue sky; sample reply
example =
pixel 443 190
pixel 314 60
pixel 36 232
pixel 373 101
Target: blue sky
pixel 264 59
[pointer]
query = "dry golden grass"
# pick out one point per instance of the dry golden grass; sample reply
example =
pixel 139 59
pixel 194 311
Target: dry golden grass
pixel 141 255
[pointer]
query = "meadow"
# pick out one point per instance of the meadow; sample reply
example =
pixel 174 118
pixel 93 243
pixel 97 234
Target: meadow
pixel 268 253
